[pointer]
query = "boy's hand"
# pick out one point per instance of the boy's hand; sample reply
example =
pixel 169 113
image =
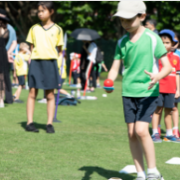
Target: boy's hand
pixel 154 79
pixel 177 94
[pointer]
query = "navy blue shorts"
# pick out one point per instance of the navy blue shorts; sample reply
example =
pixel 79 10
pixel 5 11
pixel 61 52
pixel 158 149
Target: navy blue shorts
pixel 139 109
pixel 166 100
pixel 43 74
pixel 177 100
pixel 21 80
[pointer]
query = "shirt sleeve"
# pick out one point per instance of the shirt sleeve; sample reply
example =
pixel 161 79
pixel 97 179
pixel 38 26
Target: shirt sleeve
pixel 60 41
pixel 12 36
pixel 160 49
pixel 117 55
pixel 29 38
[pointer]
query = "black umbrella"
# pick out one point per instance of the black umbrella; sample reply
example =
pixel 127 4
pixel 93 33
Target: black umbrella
pixel 85 34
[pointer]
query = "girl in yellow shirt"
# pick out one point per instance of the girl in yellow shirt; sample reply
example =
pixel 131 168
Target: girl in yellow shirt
pixel 44 38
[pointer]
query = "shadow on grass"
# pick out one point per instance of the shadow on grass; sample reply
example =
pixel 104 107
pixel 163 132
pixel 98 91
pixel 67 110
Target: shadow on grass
pixel 89 170
pixel 37 125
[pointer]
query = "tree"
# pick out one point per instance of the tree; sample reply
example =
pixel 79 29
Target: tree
pixel 91 14
pixel 22 15
pixel 166 13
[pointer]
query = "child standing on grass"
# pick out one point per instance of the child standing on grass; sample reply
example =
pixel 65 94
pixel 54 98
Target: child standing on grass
pixel 138 50
pixel 44 38
pixel 169 91
pixel 21 68
pixel 175 112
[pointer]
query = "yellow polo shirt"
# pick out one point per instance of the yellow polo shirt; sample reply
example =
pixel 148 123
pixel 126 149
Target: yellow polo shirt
pixel 21 64
pixel 45 41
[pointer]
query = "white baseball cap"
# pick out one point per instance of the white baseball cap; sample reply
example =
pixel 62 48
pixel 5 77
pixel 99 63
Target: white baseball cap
pixel 129 9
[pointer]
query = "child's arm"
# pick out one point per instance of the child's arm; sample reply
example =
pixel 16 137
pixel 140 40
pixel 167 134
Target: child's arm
pixel 113 73
pixel 31 49
pixel 59 50
pixel 104 67
pixel 167 68
pixel 177 86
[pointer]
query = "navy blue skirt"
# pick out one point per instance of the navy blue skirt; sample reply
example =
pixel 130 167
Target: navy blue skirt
pixel 43 74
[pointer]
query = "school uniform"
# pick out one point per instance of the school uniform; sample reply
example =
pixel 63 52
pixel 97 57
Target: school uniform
pixel 177 52
pixel 139 103
pixel 21 67
pixel 168 84
pixel 43 69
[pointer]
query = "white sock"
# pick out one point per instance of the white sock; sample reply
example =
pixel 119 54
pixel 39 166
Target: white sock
pixel 68 95
pixel 175 128
pixel 141 174
pixel 155 131
pixel 169 132
pixel 153 171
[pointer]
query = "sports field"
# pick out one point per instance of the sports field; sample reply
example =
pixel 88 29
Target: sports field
pixel 90 144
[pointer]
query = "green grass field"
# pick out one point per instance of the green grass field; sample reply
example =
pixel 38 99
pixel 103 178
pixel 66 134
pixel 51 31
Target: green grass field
pixel 90 144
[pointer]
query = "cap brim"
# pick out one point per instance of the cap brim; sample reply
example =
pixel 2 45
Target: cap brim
pixel 5 19
pixel 125 15
pixel 175 40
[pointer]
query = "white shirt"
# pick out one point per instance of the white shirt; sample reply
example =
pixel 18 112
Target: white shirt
pixel 92 49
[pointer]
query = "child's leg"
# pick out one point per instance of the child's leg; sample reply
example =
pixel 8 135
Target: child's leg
pixel 30 104
pixel 156 119
pixel 136 148
pixel 2 97
pixel 142 133
pixel 168 121
pixel 18 92
pixel 50 105
pixel 175 115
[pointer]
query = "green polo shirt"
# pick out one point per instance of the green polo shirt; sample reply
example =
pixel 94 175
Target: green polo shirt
pixel 137 57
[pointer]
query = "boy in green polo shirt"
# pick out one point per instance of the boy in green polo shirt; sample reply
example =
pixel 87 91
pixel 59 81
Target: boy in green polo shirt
pixel 139 50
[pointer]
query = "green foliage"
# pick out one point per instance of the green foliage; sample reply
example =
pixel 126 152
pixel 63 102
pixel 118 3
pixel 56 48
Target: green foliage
pixel 94 15
pixel 98 15
pixel 168 14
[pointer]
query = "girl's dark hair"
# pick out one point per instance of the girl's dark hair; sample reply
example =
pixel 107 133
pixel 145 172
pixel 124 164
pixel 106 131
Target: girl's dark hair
pixel 3 24
pixel 46 4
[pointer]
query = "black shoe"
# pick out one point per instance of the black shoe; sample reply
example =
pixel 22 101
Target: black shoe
pixel 31 128
pixel 50 128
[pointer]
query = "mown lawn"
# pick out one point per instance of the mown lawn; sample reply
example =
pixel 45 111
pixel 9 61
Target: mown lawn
pixel 90 144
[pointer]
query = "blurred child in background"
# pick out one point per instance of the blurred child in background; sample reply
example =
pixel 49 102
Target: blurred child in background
pixel 21 67
pixel 15 79
pixel 175 112
pixel 76 68
pixel 98 69
pixel 169 90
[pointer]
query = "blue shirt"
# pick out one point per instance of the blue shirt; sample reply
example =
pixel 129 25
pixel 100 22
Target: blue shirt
pixel 16 50
pixel 12 36
pixel 178 53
